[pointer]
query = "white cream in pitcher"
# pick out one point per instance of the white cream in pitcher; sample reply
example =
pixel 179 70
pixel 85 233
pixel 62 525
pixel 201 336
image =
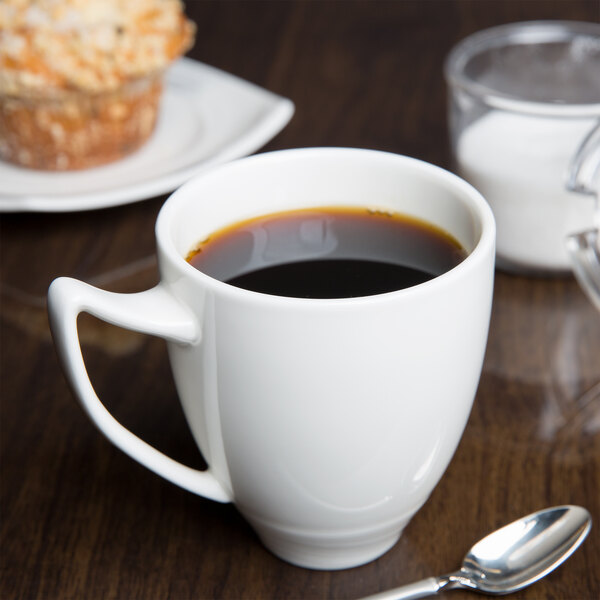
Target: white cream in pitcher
pixel 520 164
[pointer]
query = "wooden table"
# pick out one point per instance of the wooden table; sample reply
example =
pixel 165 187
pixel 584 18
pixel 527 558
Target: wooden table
pixel 79 519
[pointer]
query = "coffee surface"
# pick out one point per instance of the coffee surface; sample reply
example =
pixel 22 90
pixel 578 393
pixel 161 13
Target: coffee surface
pixel 331 252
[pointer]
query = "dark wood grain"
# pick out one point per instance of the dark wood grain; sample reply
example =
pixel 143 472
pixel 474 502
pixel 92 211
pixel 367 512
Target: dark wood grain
pixel 79 519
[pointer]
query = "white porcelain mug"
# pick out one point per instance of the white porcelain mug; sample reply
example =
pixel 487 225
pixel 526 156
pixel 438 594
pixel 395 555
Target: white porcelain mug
pixel 327 422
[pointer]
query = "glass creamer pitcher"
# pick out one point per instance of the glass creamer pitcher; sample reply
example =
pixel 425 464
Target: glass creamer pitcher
pixel 524 99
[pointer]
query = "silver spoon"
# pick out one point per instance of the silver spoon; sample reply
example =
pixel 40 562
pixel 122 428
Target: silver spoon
pixel 510 558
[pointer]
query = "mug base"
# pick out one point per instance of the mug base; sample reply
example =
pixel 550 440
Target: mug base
pixel 329 554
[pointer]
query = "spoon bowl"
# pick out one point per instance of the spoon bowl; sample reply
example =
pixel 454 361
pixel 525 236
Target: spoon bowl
pixel 511 557
pixel 519 554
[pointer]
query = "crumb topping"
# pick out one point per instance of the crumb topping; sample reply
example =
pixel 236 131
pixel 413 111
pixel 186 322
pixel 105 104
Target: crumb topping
pixel 88 45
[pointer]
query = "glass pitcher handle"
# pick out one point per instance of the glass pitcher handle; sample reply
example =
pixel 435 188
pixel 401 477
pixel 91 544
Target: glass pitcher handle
pixel 585 163
pixel 584 247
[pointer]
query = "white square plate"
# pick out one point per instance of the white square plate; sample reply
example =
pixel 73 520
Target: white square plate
pixel 207 117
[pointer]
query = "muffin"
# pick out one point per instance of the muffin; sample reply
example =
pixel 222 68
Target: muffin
pixel 81 80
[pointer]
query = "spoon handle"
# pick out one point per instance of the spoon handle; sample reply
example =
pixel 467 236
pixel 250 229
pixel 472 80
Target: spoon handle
pixel 419 589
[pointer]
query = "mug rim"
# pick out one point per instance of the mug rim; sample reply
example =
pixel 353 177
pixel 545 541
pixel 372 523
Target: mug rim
pixel 482 248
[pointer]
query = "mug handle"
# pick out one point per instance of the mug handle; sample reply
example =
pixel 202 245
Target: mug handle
pixel 155 312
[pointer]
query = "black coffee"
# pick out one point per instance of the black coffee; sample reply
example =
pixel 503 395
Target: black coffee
pixel 337 252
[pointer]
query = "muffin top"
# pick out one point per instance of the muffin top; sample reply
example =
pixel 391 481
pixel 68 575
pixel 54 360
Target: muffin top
pixel 49 46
